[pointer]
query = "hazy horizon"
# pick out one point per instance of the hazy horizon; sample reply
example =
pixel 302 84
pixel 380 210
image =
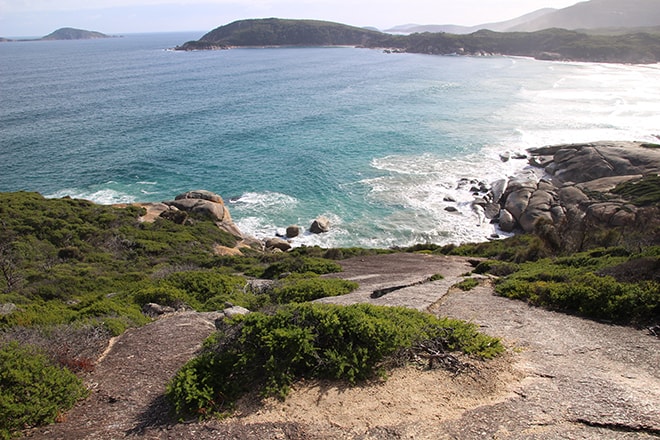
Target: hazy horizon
pixel 31 18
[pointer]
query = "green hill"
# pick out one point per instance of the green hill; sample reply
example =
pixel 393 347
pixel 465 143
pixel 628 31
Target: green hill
pixel 74 34
pixel 283 32
pixel 548 44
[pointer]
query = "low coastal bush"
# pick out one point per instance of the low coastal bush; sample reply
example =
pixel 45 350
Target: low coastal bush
pixel 32 390
pixel 516 249
pixel 318 266
pixel 468 284
pixel 603 284
pixel 644 192
pixel 307 287
pixel 67 260
pixel 269 352
pixel 497 268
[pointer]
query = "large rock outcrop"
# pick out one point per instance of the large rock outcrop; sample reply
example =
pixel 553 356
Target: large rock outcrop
pixel 197 203
pixel 576 186
pixel 204 203
pixel 578 163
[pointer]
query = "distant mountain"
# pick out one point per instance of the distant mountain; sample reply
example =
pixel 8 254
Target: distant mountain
pixel 596 14
pixel 74 34
pixel 282 32
pixel 456 29
pixel 615 16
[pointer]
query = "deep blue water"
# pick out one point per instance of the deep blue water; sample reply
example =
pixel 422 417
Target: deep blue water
pixel 374 141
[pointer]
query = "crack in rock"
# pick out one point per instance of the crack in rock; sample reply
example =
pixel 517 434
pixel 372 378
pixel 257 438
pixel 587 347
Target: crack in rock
pixel 378 293
pixel 620 427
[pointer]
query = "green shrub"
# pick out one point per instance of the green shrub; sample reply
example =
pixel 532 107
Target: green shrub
pixel 32 390
pixel 319 266
pixel 516 249
pixel 165 295
pixel 204 285
pixel 116 326
pixel 270 352
pixel 582 284
pixel 468 284
pixel 497 268
pixel 436 277
pixel 308 287
pixel 643 192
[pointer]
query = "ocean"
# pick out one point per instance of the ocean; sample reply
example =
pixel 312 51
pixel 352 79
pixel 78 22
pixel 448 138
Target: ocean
pixel 379 143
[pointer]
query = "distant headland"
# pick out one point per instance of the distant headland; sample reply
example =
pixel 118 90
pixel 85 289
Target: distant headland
pixel 549 44
pixel 66 33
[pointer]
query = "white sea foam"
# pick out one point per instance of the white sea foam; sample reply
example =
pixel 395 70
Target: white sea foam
pixel 423 188
pixel 255 213
pixel 266 201
pixel 589 102
pixel 101 196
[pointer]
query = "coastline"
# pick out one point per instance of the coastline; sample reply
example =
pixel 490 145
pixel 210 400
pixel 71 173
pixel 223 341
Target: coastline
pixel 562 185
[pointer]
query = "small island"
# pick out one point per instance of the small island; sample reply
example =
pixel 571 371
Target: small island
pixel 68 33
pixel 65 33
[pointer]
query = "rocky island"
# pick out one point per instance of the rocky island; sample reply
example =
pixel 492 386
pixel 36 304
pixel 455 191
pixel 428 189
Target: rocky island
pixel 67 33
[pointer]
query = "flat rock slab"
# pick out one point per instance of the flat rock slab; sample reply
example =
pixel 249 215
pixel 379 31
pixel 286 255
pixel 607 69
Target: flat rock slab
pixel 128 383
pixel 582 379
pixel 405 276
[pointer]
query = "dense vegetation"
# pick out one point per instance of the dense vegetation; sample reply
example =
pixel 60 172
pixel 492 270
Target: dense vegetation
pixel 33 391
pixel 73 34
pixel 77 273
pixel 552 44
pixel 282 32
pixel 73 273
pixel 605 284
pixel 643 192
pixel 313 341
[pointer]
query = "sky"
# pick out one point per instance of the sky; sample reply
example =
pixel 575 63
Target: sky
pixel 40 17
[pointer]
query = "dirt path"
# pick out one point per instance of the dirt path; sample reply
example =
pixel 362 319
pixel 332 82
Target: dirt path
pixel 563 377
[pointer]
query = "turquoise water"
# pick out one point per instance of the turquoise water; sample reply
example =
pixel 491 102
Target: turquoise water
pixel 374 141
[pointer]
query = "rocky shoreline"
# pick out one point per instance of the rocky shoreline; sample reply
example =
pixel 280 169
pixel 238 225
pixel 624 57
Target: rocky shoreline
pixel 566 191
pixel 576 188
pixel 210 205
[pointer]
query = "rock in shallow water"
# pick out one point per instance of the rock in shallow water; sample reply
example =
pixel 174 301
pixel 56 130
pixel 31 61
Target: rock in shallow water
pixel 320 225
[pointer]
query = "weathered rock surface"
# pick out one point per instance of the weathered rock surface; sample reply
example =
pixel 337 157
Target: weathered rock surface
pixel 205 203
pixel 568 377
pixel 235 311
pixel 293 231
pixel 7 308
pixel 154 310
pixel 579 163
pixel 506 221
pixel 277 243
pixel 320 225
pixel 577 189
